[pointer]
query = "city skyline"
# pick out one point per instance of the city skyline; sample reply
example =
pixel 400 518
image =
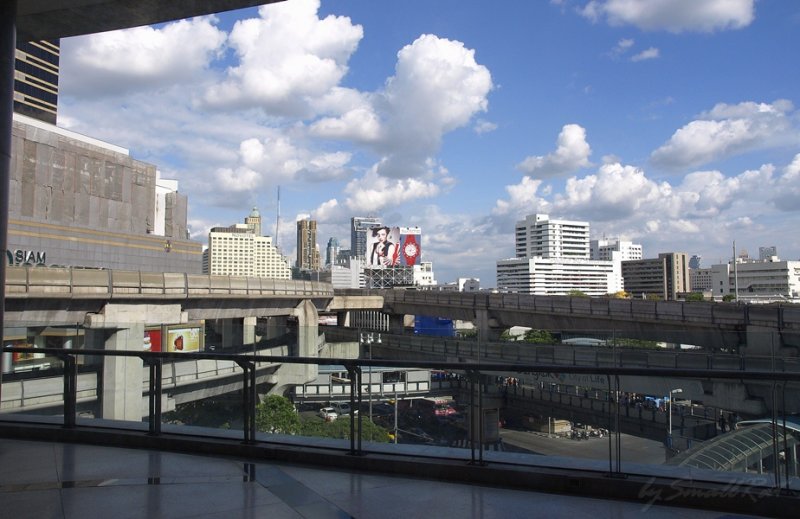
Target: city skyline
pixel 673 128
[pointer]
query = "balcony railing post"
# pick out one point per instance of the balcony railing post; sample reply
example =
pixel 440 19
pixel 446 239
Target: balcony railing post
pixel 248 400
pixel 155 390
pixel 70 389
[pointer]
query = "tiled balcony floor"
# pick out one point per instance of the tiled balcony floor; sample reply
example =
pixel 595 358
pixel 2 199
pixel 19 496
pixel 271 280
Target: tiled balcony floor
pixel 53 480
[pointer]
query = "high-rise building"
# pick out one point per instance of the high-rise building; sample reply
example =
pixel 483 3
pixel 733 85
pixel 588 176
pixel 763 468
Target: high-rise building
pixel 253 221
pixel 694 262
pixel 605 249
pixel 238 251
pixel 664 277
pixel 331 252
pixel 537 236
pixel 765 253
pixel 553 258
pixel 359 226
pixel 36 79
pixel 307 248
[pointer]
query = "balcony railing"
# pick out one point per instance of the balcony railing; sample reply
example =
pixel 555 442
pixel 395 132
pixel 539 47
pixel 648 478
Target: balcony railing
pixel 618 437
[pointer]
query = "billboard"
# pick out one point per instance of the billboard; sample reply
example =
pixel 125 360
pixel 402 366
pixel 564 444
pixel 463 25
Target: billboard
pixel 410 246
pixel 383 247
pixel 186 339
pixel 393 247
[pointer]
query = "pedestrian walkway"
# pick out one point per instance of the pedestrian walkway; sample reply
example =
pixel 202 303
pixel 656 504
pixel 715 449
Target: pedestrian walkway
pixel 66 481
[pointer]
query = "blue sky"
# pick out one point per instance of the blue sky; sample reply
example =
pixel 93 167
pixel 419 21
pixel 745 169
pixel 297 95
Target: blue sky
pixel 670 123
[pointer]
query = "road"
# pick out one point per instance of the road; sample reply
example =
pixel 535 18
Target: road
pixel 634 449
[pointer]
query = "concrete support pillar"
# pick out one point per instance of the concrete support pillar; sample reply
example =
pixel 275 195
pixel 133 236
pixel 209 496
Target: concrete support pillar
pixel 249 330
pixel 396 324
pixel 120 327
pixel 271 327
pixel 123 376
pixel 762 341
pixel 487 326
pixel 307 335
pixel 232 333
pixel 307 328
pixel 343 319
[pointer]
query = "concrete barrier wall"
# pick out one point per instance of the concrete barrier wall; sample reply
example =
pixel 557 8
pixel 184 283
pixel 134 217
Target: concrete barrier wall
pixel 46 282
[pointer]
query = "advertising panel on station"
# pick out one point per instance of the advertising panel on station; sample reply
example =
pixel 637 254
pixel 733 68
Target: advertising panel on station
pixel 393 247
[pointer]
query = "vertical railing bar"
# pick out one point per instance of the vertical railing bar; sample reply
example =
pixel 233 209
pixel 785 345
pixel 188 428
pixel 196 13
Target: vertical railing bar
pixel 70 390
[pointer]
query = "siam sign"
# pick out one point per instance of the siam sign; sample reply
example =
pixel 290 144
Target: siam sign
pixel 26 257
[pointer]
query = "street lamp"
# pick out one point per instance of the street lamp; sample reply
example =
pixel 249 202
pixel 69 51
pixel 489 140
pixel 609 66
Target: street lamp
pixel 368 339
pixel 669 412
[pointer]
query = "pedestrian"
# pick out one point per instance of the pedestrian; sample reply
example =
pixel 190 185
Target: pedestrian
pixel 722 422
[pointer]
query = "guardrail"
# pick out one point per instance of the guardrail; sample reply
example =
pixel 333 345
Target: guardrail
pixel 777 316
pixel 571 355
pixel 78 283
pixel 478 376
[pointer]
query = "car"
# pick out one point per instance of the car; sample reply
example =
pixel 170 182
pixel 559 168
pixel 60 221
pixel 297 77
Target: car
pixel 342 408
pixel 328 414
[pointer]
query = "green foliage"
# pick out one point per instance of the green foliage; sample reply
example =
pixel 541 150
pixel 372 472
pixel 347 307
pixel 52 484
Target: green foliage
pixel 623 342
pixel 728 298
pixel 539 337
pixel 468 334
pixel 340 429
pixel 276 414
pixel 694 296
pixel 577 293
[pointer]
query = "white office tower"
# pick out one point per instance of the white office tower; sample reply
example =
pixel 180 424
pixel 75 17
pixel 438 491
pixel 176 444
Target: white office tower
pixel 537 236
pixel 238 251
pixel 604 249
pixel 553 258
pixel 766 281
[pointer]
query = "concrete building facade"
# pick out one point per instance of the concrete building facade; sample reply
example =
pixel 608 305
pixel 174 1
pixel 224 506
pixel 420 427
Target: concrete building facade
pixel 36 71
pixel 553 258
pixel 605 249
pixel 238 251
pixel 700 279
pixel 665 277
pixel 757 281
pixel 545 276
pixel 78 201
pixel 307 247
pixel 359 225
pixel 539 236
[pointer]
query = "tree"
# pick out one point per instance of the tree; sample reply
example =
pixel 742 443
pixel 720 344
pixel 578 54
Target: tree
pixel 619 295
pixel 340 428
pixel 539 337
pixel 728 298
pixel 694 296
pixel 276 414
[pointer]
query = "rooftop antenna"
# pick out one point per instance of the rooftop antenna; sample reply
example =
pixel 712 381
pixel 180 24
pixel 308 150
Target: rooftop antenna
pixel 278 219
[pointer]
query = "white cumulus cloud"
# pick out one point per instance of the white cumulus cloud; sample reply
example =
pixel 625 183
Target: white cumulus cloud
pixel 138 58
pixel 288 57
pixel 571 154
pixel 673 15
pixel 725 131
pixel 373 193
